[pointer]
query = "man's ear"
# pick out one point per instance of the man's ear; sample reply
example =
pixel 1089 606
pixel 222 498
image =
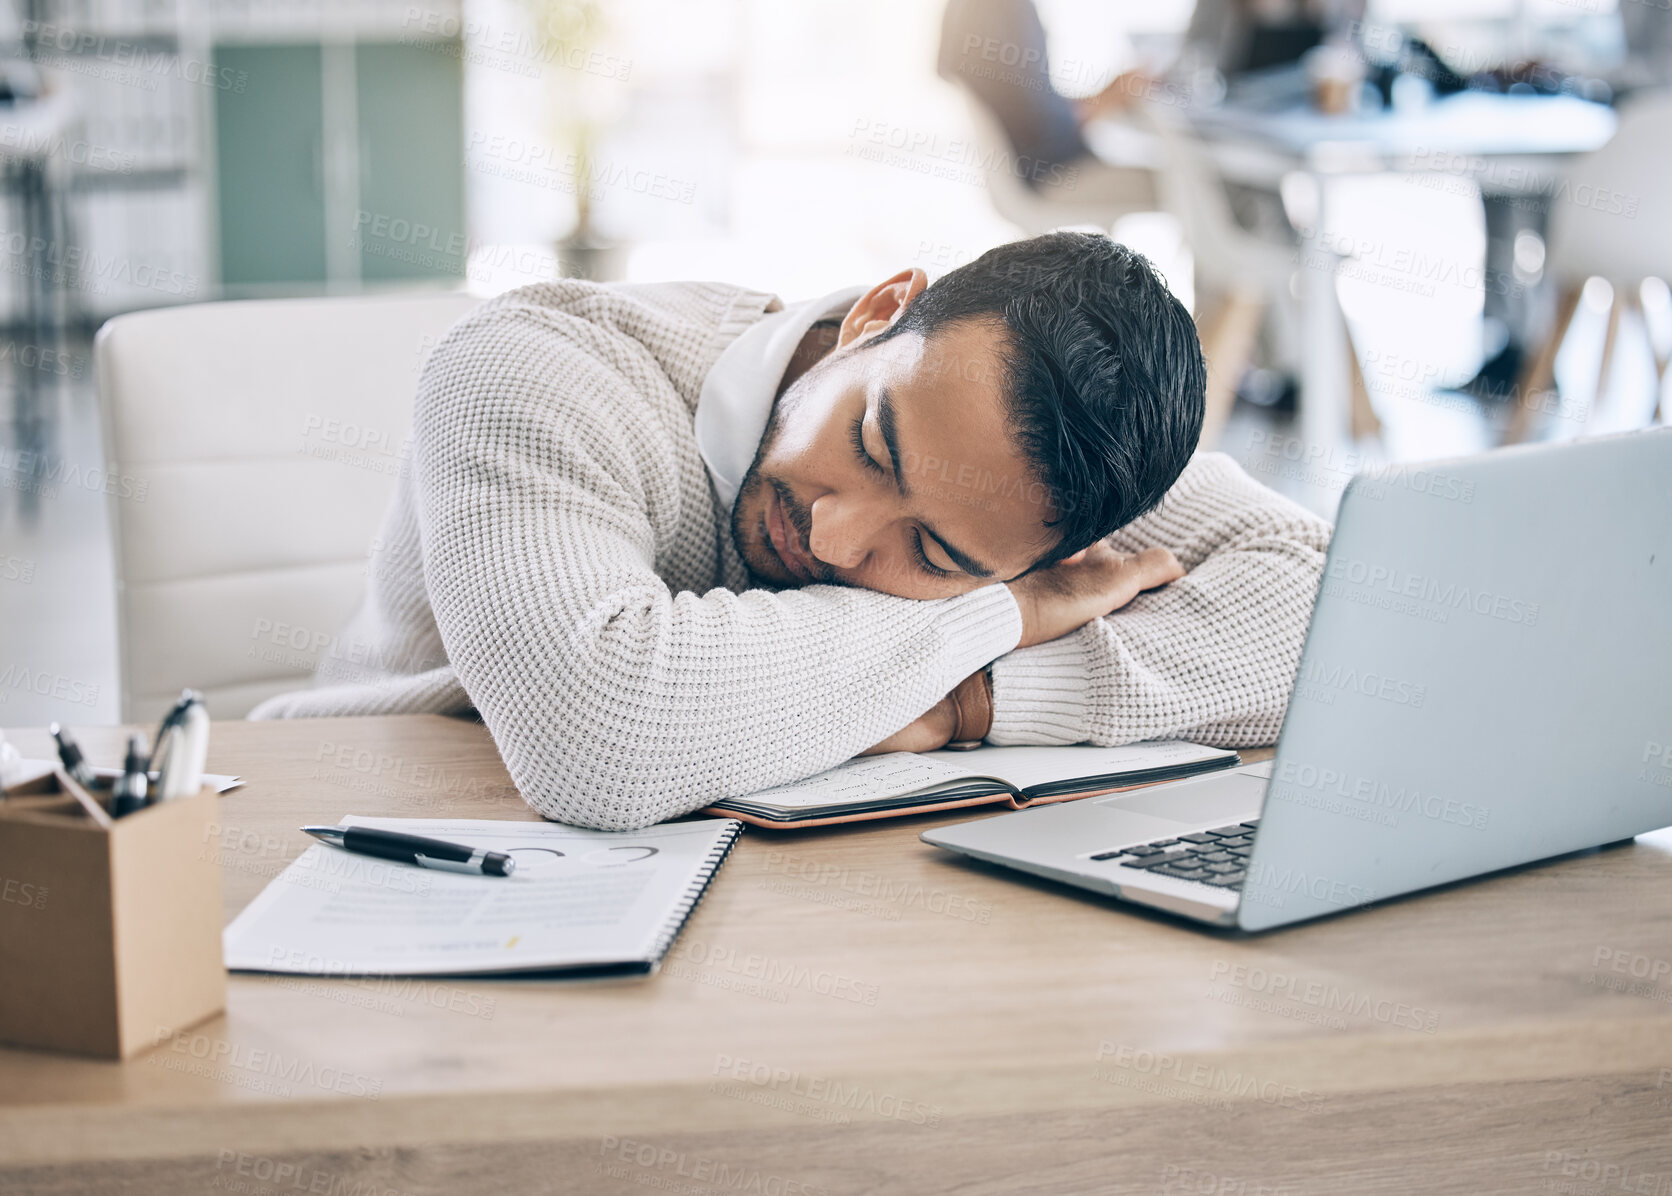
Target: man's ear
pixel 880 306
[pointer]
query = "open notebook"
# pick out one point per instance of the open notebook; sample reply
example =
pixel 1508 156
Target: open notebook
pixel 907 783
pixel 579 901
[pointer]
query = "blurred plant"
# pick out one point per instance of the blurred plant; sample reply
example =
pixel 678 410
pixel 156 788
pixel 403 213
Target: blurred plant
pixel 578 111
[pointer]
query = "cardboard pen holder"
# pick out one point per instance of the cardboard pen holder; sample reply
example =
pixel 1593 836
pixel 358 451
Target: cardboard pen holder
pixel 110 930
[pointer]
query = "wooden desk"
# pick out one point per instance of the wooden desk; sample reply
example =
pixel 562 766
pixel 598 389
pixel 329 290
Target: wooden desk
pixel 852 1011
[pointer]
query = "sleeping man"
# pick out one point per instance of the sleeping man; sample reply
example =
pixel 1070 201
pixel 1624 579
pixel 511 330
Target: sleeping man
pixel 679 542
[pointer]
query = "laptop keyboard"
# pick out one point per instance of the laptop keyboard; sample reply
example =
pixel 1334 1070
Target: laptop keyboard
pixel 1215 857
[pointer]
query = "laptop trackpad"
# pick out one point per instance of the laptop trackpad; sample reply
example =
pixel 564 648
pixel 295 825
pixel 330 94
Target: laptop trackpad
pixel 1213 798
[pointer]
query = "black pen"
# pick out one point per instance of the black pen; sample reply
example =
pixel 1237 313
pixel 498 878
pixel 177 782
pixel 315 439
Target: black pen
pixel 415 849
pixel 74 762
pixel 130 788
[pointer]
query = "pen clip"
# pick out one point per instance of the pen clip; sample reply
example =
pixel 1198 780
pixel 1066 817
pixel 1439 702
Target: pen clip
pixel 181 747
pixel 172 719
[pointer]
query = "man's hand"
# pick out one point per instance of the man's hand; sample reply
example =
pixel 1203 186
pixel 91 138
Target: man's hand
pixel 1123 92
pixel 1054 601
pixel 930 730
pixel 965 714
pixel 1087 586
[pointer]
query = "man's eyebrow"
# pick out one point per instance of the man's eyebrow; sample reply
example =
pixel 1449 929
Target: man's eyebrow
pixel 885 420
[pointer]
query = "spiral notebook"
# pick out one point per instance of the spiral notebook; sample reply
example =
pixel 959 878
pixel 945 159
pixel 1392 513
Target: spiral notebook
pixel 579 901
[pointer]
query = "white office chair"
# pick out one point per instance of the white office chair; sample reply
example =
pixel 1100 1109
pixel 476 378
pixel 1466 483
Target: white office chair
pixel 251 451
pixel 1036 212
pixel 1611 219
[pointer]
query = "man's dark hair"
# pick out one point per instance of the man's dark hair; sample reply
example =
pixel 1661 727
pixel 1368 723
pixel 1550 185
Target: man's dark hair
pixel 1103 375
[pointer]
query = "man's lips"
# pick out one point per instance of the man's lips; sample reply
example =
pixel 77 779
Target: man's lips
pixel 785 541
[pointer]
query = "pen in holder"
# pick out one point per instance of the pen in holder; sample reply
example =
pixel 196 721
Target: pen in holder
pixel 110 929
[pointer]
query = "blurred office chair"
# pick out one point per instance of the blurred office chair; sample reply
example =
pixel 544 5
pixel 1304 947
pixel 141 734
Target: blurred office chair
pixel 1040 211
pixel 1242 280
pixel 1593 236
pixel 251 450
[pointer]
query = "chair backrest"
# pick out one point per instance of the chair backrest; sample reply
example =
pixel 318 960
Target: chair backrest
pixel 251 451
pixel 1008 194
pixel 1612 212
pixel 1020 204
pixel 1193 193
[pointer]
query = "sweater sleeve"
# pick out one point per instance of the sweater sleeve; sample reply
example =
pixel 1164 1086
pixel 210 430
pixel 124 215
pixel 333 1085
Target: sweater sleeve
pixel 1210 657
pixel 615 702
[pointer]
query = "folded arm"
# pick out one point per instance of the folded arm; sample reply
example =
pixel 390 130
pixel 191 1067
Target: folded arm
pixel 1210 657
pixel 614 701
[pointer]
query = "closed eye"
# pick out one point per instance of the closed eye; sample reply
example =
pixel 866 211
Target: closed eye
pixel 923 560
pixel 857 435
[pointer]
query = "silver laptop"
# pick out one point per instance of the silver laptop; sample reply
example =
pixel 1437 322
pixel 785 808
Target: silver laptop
pixel 1487 681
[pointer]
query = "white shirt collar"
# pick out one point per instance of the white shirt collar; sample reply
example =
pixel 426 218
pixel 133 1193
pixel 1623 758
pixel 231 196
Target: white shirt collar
pixel 736 398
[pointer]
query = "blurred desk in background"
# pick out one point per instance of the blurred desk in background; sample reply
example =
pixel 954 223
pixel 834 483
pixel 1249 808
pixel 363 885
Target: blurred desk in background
pixel 1470 124
pixel 850 1010
pixel 1505 144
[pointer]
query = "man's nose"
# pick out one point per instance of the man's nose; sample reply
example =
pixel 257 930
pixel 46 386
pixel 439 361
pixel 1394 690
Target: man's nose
pixel 843 530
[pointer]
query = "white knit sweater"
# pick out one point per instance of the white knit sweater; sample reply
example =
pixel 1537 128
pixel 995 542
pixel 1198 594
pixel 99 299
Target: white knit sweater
pixel 556 559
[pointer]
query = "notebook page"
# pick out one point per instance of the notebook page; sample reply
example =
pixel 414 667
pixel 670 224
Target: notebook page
pixel 577 898
pixel 865 778
pixel 1026 766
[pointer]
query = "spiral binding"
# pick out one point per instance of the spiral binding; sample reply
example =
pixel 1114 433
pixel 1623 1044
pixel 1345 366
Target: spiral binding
pixel 676 920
